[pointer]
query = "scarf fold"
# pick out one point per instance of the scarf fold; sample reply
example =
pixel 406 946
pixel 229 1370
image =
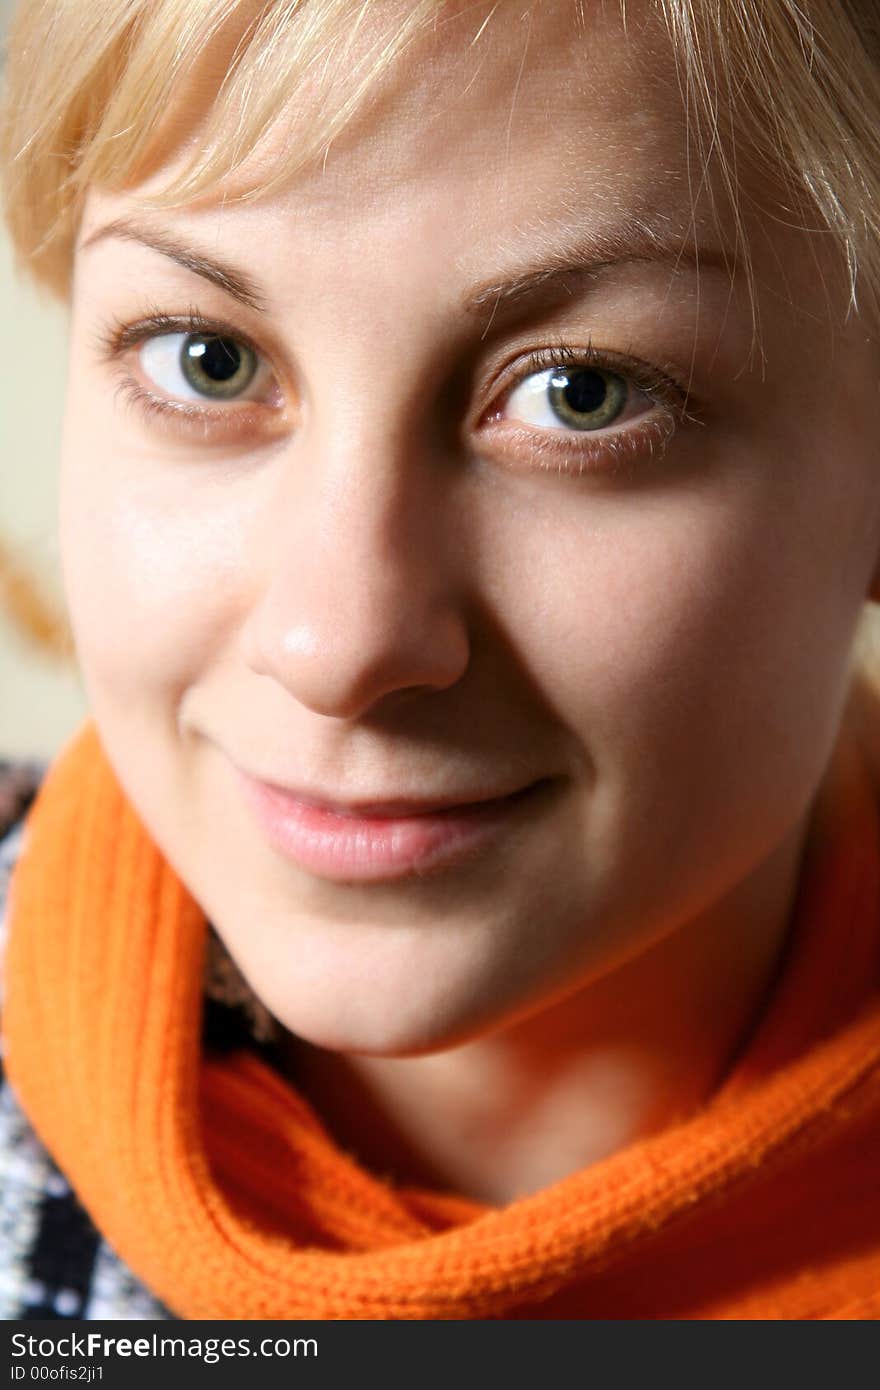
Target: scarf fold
pixel 223 1191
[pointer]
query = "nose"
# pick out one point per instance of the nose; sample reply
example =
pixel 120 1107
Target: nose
pixel 363 598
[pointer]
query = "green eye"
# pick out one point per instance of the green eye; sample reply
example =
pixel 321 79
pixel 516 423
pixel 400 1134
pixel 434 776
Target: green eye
pixel 586 398
pixel 574 398
pixel 218 367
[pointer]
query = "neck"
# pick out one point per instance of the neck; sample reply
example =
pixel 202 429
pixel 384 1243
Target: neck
pixel 615 1061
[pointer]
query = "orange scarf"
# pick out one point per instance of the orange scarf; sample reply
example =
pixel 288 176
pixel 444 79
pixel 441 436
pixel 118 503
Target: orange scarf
pixel 220 1187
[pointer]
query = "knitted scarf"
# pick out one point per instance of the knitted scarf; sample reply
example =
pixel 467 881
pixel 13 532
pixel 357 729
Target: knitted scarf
pixel 222 1189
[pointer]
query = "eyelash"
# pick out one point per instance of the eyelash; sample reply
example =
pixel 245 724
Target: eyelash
pixel 561 451
pixel 236 420
pixel 609 450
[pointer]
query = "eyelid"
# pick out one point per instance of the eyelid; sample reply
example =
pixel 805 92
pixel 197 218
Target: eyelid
pixel 604 453
pixel 237 421
pixel 223 427
pixel 661 384
pixel 120 336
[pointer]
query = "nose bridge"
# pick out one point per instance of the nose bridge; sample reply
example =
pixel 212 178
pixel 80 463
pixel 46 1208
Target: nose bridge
pixel 362 597
pixel 369 550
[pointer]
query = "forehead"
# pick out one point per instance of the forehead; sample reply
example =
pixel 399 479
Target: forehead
pixel 573 87
pixel 501 138
pixel 514 123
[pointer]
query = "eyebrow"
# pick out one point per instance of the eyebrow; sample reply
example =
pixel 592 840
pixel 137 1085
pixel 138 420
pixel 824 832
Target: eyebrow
pixel 226 277
pixel 561 268
pixel 554 272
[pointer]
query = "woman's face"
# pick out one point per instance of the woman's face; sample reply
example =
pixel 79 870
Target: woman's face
pixel 434 522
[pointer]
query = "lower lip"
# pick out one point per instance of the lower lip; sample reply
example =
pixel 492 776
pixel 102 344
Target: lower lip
pixel 371 849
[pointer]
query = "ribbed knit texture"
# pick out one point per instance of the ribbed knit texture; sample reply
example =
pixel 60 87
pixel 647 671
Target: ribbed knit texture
pixel 220 1187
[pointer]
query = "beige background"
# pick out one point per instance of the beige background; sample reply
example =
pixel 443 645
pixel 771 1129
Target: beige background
pixel 40 697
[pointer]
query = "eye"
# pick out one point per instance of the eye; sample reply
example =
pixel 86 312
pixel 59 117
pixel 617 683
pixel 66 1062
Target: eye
pixel 581 398
pixel 584 411
pixel 204 366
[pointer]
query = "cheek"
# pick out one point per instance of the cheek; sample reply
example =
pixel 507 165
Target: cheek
pixel 154 570
pixel 692 641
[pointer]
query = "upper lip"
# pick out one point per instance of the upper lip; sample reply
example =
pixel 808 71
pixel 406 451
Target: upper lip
pixel 388 806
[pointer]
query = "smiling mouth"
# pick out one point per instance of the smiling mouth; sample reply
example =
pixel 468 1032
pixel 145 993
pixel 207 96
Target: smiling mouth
pixel 373 842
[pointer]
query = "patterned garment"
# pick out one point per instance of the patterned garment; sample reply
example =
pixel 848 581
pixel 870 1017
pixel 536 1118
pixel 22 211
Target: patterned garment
pixel 54 1263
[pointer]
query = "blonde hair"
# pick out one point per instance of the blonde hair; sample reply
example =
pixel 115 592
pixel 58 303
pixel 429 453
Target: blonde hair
pixel 90 85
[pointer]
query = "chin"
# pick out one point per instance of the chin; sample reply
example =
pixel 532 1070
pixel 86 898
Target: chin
pixel 375 1023
pixel 381 1036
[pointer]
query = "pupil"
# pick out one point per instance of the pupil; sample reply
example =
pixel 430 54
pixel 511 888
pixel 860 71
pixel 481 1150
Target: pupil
pixel 218 358
pixel 584 392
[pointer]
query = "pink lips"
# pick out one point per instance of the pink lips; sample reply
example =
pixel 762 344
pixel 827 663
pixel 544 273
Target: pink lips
pixel 382 841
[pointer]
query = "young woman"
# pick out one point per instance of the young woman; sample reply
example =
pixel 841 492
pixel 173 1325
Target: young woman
pixel 464 902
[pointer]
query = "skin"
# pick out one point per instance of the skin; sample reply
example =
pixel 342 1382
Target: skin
pixel 374 578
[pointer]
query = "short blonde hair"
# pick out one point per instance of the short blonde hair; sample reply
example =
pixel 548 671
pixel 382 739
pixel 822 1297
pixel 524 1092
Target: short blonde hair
pixel 90 82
